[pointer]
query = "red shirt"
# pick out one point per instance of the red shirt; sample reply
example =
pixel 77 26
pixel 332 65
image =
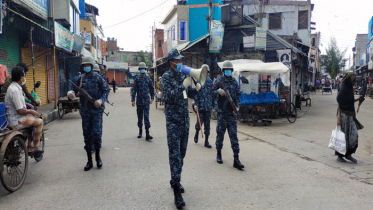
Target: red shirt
pixel 3 74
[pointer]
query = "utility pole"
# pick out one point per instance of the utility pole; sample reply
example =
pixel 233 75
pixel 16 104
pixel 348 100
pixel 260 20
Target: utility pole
pixel 208 40
pixel 54 60
pixel 260 12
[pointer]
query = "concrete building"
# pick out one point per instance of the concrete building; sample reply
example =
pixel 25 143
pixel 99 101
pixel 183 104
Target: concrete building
pixel 159 41
pixel 67 12
pixel 315 56
pixel 359 50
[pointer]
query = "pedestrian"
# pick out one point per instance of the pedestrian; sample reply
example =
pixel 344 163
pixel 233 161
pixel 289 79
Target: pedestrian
pixel 202 102
pixel 322 82
pixel 113 83
pixel 227 118
pixel 3 75
pixel 91 113
pixel 347 117
pixel 142 87
pixel 176 90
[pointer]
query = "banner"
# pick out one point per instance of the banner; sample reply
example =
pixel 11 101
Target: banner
pixel 216 36
pixel 40 6
pixel 103 51
pixel 249 41
pixel 261 38
pixel 78 44
pixel 284 56
pixel 63 38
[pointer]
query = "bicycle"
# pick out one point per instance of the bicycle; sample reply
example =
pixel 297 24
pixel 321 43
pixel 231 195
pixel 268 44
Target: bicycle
pixel 283 109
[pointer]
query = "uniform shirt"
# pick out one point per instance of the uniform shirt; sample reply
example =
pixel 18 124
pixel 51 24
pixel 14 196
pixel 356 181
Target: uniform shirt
pixel 95 87
pixel 203 99
pixel 3 74
pixel 173 88
pixel 14 101
pixel 232 86
pixel 142 86
pixel 7 83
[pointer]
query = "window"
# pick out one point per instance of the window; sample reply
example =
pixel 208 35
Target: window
pixel 159 43
pixel 124 58
pixel 313 42
pixel 303 20
pixel 274 21
pixel 173 33
pixel 183 31
pixel 134 58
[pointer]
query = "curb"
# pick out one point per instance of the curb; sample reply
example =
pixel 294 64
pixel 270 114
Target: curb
pixel 50 116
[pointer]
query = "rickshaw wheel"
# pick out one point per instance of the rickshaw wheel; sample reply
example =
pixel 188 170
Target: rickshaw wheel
pixel 15 164
pixel 41 145
pixel 291 113
pixel 260 115
pixel 61 111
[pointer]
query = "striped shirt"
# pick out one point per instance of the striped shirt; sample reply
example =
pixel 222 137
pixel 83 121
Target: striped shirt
pixel 14 101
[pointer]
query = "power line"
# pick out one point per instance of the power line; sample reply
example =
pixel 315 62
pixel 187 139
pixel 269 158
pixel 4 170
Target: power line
pixel 137 15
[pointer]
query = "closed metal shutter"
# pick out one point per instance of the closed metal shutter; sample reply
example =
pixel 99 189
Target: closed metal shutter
pixel 40 72
pixel 9 49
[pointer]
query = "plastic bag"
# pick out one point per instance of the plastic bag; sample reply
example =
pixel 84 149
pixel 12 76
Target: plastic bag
pixel 338 141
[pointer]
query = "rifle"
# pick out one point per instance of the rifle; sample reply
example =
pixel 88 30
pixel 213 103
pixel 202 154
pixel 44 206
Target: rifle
pixel 229 97
pixel 88 97
pixel 107 101
pixel 199 120
pixel 362 94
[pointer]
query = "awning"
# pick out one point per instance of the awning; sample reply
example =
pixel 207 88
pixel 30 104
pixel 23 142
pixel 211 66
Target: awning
pixel 192 43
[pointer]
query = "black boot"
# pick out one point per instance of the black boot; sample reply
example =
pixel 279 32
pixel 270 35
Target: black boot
pixel 196 136
pixel 89 163
pixel 218 158
pixel 140 133
pixel 182 190
pixel 98 158
pixel 207 144
pixel 148 136
pixel 237 164
pixel 179 201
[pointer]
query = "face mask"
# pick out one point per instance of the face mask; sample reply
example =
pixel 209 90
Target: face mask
pixel 142 71
pixel 228 73
pixel 24 82
pixel 178 67
pixel 87 69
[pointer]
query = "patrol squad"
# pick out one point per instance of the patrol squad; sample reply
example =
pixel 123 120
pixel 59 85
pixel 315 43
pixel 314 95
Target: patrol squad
pixel 91 113
pixel 142 87
pixel 176 90
pixel 227 118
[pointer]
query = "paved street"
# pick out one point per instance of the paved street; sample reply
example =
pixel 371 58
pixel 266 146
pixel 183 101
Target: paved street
pixel 287 166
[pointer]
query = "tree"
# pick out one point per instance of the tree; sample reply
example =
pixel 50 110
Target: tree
pixel 334 60
pixel 145 59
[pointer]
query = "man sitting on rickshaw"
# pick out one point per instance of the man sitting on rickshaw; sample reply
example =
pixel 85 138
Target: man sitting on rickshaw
pixel 18 115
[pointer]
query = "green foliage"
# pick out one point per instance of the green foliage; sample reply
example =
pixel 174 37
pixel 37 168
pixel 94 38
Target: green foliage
pixel 334 60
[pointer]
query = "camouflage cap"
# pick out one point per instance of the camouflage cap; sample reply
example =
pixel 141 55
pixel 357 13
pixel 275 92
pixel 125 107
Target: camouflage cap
pixel 174 54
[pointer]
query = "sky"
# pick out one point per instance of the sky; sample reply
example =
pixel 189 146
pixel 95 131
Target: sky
pixel 342 19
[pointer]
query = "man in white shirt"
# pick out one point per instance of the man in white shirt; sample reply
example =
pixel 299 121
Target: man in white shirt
pixel 18 115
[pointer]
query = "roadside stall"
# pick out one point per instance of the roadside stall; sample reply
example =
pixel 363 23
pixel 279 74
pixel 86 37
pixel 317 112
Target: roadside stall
pixel 261 97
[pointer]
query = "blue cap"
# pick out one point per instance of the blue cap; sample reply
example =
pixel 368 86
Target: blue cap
pixel 174 54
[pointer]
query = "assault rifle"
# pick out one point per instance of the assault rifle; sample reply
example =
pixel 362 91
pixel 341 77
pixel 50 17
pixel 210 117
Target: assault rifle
pixel 229 97
pixel 88 97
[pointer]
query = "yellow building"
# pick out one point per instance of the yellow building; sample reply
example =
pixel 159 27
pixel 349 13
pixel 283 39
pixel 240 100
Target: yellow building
pixel 90 30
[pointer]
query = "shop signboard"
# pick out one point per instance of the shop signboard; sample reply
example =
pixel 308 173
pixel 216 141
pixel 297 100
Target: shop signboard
pixel 64 39
pixel 117 66
pixel 78 43
pixel 249 41
pixel 261 38
pixel 40 6
pixel 103 50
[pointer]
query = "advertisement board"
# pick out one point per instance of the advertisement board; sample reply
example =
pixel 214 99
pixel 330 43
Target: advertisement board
pixel 78 43
pixel 261 38
pixel 249 41
pixel 216 37
pixel 64 39
pixel 103 50
pixel 40 6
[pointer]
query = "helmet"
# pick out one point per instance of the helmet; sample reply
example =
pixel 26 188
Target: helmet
pixel 96 67
pixel 88 60
pixel 227 65
pixel 160 78
pixel 142 65
pixel 174 54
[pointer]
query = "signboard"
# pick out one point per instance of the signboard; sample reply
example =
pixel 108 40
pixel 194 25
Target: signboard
pixel 103 45
pixel 249 41
pixel 261 38
pixel 216 37
pixel 117 66
pixel 284 56
pixel 40 6
pixel 63 38
pixel 88 39
pixel 78 43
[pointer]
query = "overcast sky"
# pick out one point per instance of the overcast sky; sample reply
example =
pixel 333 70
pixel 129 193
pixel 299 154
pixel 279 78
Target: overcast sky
pixel 340 18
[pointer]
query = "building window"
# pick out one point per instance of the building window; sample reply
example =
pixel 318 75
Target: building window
pixel 159 43
pixel 124 58
pixel 183 31
pixel 134 58
pixel 303 20
pixel 313 42
pixel 173 33
pixel 274 21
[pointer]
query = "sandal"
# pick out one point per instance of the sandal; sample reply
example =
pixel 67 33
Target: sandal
pixel 342 160
pixel 352 160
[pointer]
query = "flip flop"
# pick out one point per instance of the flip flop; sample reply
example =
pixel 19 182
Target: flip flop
pixel 352 160
pixel 342 160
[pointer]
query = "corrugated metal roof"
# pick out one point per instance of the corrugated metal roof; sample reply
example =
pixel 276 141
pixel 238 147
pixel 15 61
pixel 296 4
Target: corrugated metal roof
pixel 192 43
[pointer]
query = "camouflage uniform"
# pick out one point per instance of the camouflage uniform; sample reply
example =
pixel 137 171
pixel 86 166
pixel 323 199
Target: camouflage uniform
pixel 177 120
pixel 142 87
pixel 226 118
pixel 203 101
pixel 92 116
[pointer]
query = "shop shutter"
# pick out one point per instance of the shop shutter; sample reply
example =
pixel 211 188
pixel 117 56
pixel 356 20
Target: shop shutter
pixel 9 49
pixel 40 72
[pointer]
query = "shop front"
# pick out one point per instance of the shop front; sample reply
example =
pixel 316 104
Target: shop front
pixel 117 71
